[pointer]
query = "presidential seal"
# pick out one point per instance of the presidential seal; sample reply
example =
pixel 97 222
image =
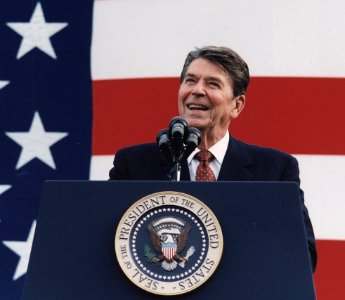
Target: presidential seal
pixel 168 243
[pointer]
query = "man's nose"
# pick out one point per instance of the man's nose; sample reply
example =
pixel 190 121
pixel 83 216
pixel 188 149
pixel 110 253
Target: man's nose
pixel 199 89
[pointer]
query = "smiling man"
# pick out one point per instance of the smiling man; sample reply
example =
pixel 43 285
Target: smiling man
pixel 214 81
pixel 212 91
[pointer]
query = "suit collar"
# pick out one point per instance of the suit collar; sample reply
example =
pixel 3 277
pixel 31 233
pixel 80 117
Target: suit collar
pixel 236 163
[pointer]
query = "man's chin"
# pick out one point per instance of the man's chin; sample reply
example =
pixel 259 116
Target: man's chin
pixel 197 123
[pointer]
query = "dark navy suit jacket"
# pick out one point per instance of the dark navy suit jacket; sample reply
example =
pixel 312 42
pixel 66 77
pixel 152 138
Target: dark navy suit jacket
pixel 242 162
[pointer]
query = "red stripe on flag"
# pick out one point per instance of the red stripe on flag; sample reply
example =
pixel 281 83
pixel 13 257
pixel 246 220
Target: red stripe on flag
pixel 297 115
pixel 132 111
pixel 329 275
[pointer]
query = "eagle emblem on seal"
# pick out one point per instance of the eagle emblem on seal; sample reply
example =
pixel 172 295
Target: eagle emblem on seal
pixel 169 236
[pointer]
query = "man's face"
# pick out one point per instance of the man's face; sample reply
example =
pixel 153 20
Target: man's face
pixel 206 99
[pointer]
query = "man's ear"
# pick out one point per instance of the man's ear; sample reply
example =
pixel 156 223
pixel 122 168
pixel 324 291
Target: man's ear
pixel 239 103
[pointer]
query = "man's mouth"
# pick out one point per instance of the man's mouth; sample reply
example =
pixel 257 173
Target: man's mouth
pixel 197 107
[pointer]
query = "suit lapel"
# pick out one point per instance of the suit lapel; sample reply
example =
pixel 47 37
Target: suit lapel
pixel 236 162
pixel 162 170
pixel 185 171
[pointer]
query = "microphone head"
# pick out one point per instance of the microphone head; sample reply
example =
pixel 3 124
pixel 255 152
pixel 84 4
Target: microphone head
pixel 163 141
pixel 193 137
pixel 163 138
pixel 177 126
pixel 192 140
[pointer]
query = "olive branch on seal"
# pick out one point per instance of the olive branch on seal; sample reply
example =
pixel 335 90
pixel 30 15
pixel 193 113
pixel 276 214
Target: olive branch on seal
pixel 149 255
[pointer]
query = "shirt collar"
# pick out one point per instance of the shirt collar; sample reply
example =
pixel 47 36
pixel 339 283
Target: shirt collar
pixel 218 150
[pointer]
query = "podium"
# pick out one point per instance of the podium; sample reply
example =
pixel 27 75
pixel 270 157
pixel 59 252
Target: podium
pixel 265 253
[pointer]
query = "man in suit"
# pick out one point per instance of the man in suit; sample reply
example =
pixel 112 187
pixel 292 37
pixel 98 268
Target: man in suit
pixel 214 81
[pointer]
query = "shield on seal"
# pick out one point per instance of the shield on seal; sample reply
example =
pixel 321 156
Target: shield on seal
pixel 169 250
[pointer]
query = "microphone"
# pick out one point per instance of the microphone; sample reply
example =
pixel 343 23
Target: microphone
pixel 163 140
pixel 191 140
pixel 177 143
pixel 177 128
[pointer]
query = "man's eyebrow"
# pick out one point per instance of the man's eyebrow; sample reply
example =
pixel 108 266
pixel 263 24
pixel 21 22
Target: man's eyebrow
pixel 208 78
pixel 190 75
pixel 214 78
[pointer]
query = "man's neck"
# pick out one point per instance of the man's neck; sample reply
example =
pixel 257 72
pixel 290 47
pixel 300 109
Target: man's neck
pixel 210 139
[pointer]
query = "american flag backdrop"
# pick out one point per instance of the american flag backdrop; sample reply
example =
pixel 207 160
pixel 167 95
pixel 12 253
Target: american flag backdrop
pixel 81 79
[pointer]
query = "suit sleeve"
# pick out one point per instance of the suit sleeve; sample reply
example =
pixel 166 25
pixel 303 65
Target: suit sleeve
pixel 291 173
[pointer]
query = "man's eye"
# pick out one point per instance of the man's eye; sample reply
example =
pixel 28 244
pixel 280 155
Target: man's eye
pixel 214 83
pixel 189 80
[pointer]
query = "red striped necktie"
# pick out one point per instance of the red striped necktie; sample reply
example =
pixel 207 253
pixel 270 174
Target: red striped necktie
pixel 203 171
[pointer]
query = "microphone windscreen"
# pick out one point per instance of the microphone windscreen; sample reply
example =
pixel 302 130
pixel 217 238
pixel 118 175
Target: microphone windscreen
pixel 163 138
pixel 177 126
pixel 163 141
pixel 193 136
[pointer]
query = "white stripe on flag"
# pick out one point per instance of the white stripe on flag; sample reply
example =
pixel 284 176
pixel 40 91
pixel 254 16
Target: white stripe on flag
pixel 322 179
pixel 277 38
pixel 100 166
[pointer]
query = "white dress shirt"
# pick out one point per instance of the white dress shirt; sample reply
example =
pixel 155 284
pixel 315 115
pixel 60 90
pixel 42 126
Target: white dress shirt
pixel 218 150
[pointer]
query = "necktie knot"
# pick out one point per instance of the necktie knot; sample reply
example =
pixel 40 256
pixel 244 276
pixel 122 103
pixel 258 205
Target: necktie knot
pixel 204 156
pixel 204 171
